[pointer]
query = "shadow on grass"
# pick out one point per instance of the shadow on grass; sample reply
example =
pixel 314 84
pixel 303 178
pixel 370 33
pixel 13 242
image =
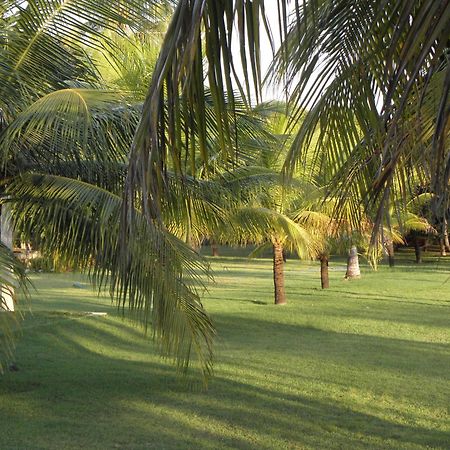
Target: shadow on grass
pixel 95 383
pixel 355 350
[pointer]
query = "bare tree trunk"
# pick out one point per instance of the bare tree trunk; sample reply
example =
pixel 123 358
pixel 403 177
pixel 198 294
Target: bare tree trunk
pixel 6 236
pixel 418 250
pixel 214 249
pixel 324 278
pixel 278 273
pixel 353 264
pixel 426 244
pixel 446 240
pixel 390 252
pixel 442 245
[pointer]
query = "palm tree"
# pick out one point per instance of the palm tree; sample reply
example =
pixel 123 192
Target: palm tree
pixel 401 221
pixel 261 206
pixel 262 213
pixel 72 199
pixel 66 145
pixel 378 100
pixel 267 227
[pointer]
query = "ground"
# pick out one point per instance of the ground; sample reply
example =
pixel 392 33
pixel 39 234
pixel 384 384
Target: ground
pixel 365 364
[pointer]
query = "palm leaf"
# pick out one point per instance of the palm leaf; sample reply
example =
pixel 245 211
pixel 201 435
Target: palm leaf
pixel 80 133
pixel 178 82
pixel 380 99
pixel 259 225
pixel 154 279
pixel 47 41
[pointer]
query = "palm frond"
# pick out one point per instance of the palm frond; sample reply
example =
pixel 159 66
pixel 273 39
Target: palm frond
pixel 258 225
pixel 46 41
pixel 195 209
pixel 155 279
pixel 178 81
pixel 74 132
pixel 380 98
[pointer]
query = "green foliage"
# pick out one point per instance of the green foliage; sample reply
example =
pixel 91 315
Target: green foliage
pixel 41 264
pixel 65 141
pixel 376 109
pixel 155 280
pixel 379 100
pixel 43 43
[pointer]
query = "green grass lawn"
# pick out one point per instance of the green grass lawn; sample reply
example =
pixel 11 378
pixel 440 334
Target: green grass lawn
pixel 365 364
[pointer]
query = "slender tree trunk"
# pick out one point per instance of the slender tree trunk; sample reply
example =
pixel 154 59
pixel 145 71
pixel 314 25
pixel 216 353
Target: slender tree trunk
pixel 6 236
pixel 324 278
pixel 426 244
pixel 442 245
pixel 278 273
pixel 443 237
pixel 390 252
pixel 214 249
pixel 446 239
pixel 353 264
pixel 418 250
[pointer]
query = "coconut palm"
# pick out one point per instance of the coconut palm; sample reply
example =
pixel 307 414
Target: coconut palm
pixel 65 148
pixel 379 98
pixel 398 226
pixel 263 216
pixel 76 140
pixel 42 49
pixel 263 206
pixel 71 200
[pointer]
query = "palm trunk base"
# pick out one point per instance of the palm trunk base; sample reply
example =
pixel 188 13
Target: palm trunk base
pixel 353 270
pixel 443 247
pixel 324 276
pixel 278 274
pixel 418 252
pixel 391 257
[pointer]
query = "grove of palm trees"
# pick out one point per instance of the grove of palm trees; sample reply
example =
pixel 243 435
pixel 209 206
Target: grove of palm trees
pixel 224 224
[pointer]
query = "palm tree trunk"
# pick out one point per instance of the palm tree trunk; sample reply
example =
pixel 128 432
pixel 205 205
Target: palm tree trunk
pixel 278 273
pixel 214 249
pixel 442 245
pixel 418 250
pixel 443 237
pixel 390 252
pixel 426 244
pixel 353 264
pixel 6 236
pixel 324 278
pixel 446 239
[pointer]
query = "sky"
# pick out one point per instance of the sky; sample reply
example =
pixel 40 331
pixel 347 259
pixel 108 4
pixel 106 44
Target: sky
pixel 269 93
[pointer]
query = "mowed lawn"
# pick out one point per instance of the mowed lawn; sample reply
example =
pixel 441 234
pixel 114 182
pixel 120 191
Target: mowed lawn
pixel 365 364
